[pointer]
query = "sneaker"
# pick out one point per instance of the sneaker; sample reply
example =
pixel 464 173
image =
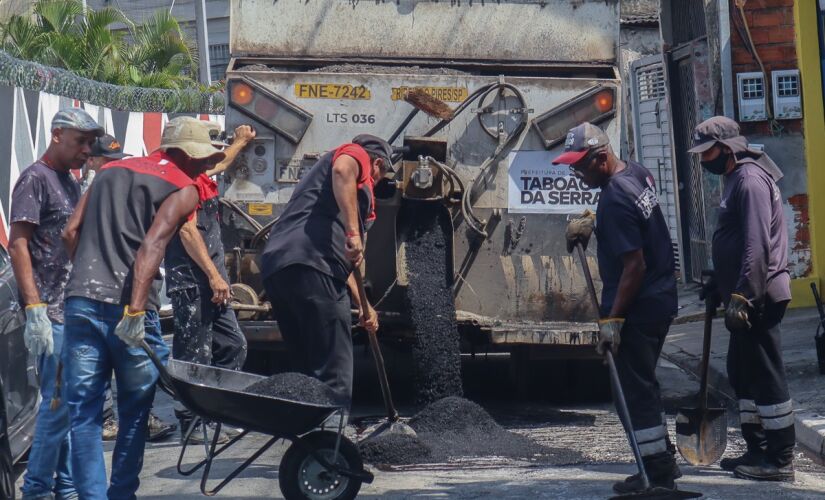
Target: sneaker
pixel 765 471
pixel 197 434
pixel 748 458
pixel 110 428
pixel 158 429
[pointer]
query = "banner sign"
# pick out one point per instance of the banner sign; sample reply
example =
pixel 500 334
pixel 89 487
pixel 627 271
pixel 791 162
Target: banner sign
pixel 538 186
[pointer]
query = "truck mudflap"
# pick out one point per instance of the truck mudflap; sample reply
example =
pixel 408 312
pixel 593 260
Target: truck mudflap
pixel 547 333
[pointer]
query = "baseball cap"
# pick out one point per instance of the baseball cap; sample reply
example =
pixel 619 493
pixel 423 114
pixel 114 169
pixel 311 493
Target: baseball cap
pixel 711 131
pixel 581 140
pixel 77 119
pixel 108 147
pixel 375 146
pixel 191 136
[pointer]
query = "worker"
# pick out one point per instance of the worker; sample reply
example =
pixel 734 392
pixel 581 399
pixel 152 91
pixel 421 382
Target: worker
pixel 42 201
pixel 639 299
pixel 206 330
pixel 117 237
pixel 310 255
pixel 750 258
pixel 104 150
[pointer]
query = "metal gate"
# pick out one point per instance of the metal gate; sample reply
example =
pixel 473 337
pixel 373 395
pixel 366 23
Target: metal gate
pixel 692 194
pixel 651 123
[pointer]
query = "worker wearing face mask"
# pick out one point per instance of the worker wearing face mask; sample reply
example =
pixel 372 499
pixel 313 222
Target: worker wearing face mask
pixel 750 256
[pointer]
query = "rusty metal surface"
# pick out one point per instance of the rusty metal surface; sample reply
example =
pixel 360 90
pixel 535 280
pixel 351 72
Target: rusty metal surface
pixel 562 30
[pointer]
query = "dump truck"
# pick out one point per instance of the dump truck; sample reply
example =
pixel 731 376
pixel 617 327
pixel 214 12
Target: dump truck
pixel 518 74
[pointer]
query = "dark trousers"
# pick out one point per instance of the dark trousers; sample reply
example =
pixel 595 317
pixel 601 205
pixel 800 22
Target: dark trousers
pixel 205 333
pixel 313 313
pixel 641 344
pixel 757 374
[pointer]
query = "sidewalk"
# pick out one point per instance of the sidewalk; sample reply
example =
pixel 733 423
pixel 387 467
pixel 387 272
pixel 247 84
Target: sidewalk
pixel 684 348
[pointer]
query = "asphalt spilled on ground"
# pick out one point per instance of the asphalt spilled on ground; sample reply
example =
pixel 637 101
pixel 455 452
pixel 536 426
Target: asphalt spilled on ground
pixel 436 353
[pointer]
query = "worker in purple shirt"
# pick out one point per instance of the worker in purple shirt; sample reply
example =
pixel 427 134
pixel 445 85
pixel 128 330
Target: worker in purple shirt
pixel 750 256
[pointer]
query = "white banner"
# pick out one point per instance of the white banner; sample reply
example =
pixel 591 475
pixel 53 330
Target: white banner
pixel 538 186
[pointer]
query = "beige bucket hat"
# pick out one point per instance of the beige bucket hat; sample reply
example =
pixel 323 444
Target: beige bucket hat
pixel 191 136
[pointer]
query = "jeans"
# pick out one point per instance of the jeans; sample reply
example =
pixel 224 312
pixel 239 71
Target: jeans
pixel 92 352
pixel 49 470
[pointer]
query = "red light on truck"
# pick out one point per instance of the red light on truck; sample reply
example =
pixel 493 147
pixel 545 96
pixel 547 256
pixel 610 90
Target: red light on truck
pixel 241 94
pixel 604 101
pixel 265 109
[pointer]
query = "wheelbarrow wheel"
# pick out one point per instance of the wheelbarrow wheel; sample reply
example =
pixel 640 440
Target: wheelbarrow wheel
pixel 301 476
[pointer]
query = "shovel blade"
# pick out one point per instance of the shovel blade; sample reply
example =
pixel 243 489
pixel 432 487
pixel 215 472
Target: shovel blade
pixel 658 493
pixel 701 435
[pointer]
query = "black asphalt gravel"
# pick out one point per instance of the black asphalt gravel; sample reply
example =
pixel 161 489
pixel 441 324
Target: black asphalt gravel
pixel 295 387
pixel 436 352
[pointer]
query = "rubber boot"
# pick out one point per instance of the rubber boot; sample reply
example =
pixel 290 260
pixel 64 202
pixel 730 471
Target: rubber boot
pixel 677 473
pixel 777 462
pixel 766 471
pixel 660 470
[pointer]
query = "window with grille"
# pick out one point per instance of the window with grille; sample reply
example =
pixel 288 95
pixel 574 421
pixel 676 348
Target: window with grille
pixel 787 86
pixel 651 83
pixel 752 88
pixel 218 61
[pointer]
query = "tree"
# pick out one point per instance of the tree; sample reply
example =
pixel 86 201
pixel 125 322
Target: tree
pixel 156 54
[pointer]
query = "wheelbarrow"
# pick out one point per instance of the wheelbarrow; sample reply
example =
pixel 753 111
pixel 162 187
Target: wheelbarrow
pixel 318 464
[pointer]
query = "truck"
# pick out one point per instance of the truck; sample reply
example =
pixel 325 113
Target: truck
pixel 517 75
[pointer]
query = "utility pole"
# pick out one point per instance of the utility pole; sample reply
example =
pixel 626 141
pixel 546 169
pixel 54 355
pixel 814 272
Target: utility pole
pixel 203 42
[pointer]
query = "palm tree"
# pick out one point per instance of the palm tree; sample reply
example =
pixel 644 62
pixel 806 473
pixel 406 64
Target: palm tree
pixel 156 54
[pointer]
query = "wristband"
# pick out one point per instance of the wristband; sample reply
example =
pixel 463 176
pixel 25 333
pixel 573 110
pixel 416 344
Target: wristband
pixel 133 313
pixel 39 304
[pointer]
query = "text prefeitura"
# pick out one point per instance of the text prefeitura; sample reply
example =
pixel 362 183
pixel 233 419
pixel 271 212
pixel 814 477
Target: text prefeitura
pixel 556 191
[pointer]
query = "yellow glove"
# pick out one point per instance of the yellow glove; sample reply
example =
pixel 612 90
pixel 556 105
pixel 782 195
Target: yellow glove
pixel 738 312
pixel 580 230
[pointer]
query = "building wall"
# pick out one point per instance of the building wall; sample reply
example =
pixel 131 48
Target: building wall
pixel 771 26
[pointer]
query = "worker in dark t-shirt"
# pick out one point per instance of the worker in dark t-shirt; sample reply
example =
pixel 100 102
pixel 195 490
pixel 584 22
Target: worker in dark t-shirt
pixel 639 287
pixel 310 255
pixel 750 258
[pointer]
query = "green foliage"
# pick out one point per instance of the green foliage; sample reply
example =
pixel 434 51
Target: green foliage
pixel 156 54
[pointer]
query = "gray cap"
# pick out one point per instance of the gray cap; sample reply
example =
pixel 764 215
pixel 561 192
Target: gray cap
pixel 375 146
pixel 709 132
pixel 77 119
pixel 581 140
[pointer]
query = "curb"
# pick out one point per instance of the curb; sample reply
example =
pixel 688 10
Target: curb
pixel 809 425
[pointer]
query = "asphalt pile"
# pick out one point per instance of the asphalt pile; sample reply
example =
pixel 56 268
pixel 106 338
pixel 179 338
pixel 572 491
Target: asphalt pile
pixel 295 387
pixel 435 351
pixel 454 428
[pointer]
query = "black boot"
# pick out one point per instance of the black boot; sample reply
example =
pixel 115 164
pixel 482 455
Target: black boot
pixel 766 471
pixel 748 458
pixel 660 468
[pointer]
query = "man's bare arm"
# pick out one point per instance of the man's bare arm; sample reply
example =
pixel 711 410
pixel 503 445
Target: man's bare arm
pixel 174 210
pixel 243 136
pixel 21 261
pixel 633 274
pixel 71 234
pixel 196 248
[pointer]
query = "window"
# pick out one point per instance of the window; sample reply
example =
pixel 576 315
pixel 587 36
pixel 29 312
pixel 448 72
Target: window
pixel 218 61
pixel 752 88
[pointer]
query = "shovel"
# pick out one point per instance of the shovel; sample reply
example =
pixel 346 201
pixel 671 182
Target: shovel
pixel 701 433
pixel 649 491
pixel 393 424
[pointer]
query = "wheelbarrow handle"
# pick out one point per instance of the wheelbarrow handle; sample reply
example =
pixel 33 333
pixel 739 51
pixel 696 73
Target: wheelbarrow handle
pixel 165 378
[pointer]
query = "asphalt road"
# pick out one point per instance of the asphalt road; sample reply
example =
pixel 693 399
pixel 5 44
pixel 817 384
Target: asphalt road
pixel 592 429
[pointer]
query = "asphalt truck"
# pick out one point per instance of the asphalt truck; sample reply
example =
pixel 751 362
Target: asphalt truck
pixel 310 75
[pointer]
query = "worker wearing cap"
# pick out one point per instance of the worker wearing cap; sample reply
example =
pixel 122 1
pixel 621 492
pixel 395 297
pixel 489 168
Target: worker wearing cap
pixel 117 236
pixel 639 287
pixel 206 330
pixel 105 149
pixel 42 201
pixel 310 255
pixel 750 258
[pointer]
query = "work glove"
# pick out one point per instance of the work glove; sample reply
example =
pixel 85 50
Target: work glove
pixel 709 290
pixel 738 313
pixel 131 329
pixel 610 334
pixel 38 333
pixel 580 230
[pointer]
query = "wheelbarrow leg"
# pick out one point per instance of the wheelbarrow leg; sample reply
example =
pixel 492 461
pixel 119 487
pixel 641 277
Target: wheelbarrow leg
pixel 232 475
pixel 209 455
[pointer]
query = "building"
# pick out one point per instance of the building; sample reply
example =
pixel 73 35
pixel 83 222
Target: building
pixel 217 23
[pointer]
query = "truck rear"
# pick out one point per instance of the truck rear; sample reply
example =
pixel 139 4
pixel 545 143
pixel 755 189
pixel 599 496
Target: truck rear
pixel 516 73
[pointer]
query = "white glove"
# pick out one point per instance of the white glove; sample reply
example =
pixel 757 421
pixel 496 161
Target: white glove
pixel 610 330
pixel 38 333
pixel 131 329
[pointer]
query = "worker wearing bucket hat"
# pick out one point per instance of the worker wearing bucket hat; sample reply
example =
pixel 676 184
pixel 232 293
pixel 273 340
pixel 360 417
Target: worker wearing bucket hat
pixel 750 258
pixel 117 236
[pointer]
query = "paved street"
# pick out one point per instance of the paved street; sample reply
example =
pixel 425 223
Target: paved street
pixel 591 432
